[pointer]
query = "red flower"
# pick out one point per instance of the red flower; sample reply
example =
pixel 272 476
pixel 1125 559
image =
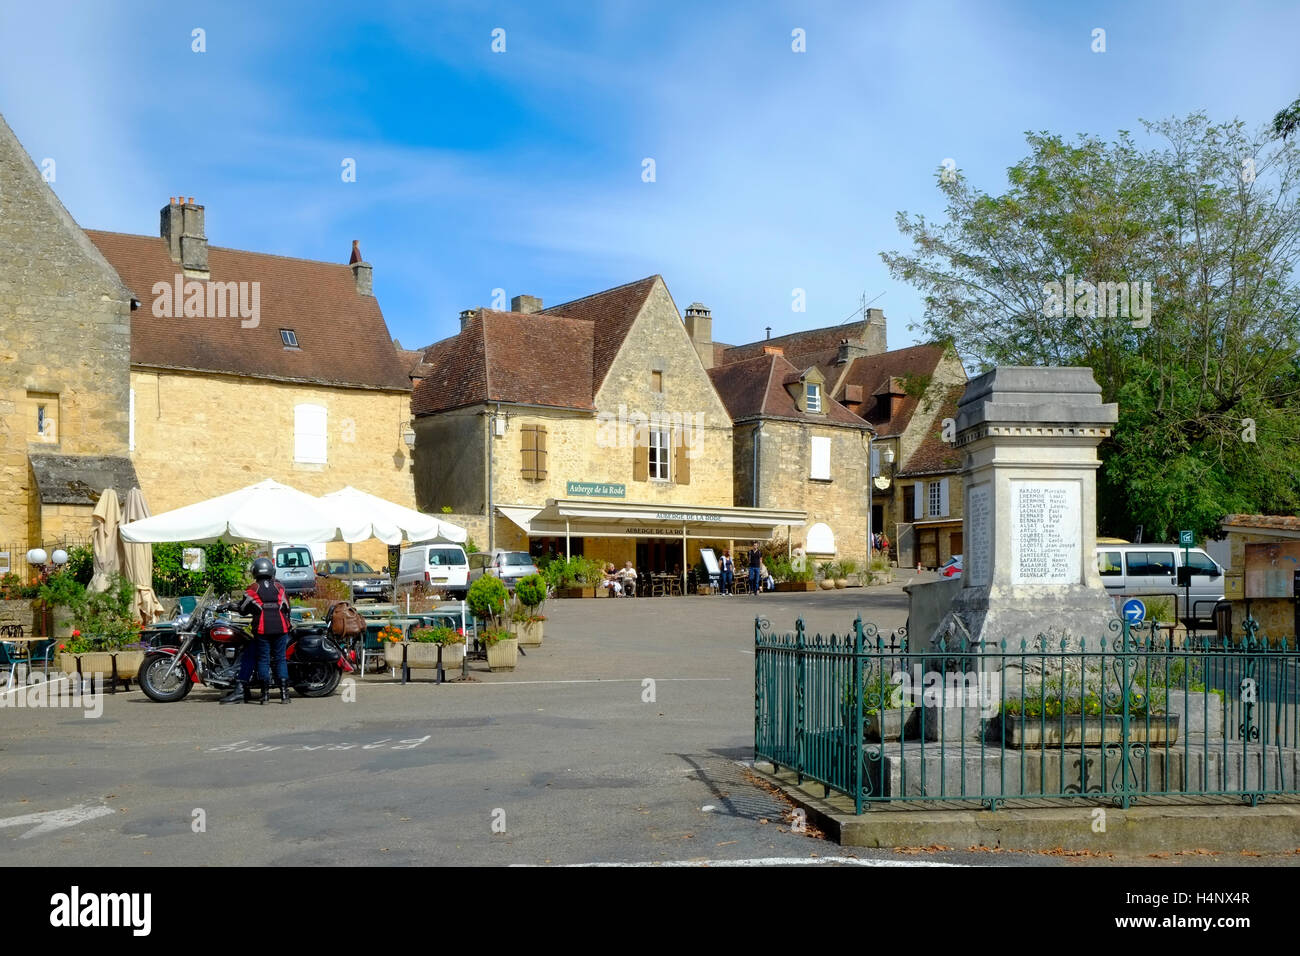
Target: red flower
pixel 63 647
pixel 76 634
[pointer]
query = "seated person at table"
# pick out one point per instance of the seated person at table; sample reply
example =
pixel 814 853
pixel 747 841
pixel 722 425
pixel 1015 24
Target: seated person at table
pixel 611 581
pixel 627 577
pixel 766 582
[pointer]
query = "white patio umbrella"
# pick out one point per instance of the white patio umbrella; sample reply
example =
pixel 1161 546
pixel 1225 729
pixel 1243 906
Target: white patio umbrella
pixel 265 512
pixel 137 562
pixel 387 521
pixel 107 517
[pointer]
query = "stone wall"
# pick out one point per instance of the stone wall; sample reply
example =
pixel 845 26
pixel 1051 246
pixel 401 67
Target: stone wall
pixel 202 435
pixel 64 336
pixel 20 613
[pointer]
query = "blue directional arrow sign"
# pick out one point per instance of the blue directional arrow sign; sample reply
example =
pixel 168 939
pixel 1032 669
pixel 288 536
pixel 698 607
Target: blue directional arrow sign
pixel 1134 611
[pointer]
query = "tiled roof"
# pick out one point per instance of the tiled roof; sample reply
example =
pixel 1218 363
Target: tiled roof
pixel 81 479
pixel 531 359
pixel 342 335
pixel 872 371
pixel 611 314
pixel 755 387
pixel 1274 522
pixel 935 455
pixel 804 348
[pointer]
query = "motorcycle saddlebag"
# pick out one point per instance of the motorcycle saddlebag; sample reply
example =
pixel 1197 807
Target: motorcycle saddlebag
pixel 315 645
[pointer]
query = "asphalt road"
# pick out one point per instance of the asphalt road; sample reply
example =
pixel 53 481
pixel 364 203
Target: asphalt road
pixel 572 759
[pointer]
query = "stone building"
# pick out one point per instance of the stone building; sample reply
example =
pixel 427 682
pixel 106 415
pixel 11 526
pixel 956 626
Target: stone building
pixel 904 395
pixel 65 340
pixel 186 369
pixel 1264 551
pixel 796 447
pixel 585 428
pixel 246 366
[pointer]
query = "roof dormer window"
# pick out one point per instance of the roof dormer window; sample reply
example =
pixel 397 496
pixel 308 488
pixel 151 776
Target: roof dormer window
pixel 813 391
pixel 290 338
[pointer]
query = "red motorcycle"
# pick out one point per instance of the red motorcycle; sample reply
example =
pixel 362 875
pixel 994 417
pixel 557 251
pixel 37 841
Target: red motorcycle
pixel 206 647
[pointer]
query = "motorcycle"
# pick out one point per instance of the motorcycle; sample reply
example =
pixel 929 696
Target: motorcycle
pixel 205 647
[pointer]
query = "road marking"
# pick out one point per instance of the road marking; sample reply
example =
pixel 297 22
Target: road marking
pixel 592 680
pixel 22 687
pixel 48 821
pixel 765 861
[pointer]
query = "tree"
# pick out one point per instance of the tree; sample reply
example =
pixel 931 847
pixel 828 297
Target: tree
pixel 1286 121
pixel 1199 235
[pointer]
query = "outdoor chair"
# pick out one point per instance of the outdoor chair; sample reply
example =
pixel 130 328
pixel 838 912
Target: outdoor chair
pixel 675 586
pixel 658 587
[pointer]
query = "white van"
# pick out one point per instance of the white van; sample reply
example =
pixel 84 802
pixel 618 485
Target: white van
pixel 1134 570
pixel 439 566
pixel 295 568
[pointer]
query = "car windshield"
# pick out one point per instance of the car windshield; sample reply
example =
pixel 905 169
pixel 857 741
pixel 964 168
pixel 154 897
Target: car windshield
pixel 441 557
pixel 360 567
pixel 293 558
pixel 517 558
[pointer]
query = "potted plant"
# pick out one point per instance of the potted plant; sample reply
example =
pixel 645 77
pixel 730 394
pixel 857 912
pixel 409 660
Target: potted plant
pixel 487 599
pixel 61 594
pixel 530 592
pixel 827 571
pixel 849 572
pixel 798 579
pixel 106 633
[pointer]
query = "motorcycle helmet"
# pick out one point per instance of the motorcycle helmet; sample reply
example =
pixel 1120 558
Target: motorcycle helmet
pixel 263 568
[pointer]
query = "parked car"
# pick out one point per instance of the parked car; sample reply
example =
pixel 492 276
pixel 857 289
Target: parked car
pixel 366 581
pixel 294 568
pixel 952 567
pixel 436 567
pixel 509 566
pixel 1134 570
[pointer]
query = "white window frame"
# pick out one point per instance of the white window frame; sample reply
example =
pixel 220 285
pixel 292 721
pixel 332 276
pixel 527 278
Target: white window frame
pixel 659 456
pixel 819 468
pixel 936 497
pixel 289 339
pixel 309 438
pixel 813 393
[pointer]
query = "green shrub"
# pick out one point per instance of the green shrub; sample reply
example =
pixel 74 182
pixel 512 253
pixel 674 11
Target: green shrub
pixel 332 589
pixel 531 590
pixel 487 598
pixel 62 589
pixel 81 563
pixel 847 567
pixel 470 546
pixel 435 635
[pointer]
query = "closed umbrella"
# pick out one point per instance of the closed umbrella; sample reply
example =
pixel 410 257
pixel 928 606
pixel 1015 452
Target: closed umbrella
pixel 137 560
pixel 107 517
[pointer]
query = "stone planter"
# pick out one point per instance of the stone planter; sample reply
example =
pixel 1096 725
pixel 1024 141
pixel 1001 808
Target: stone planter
pixel 577 592
pixel 530 633
pixel 826 584
pixel 101 662
pixel 796 586
pixel 423 656
pixel 62 623
pixel 1203 713
pixel 503 655
pixel 1038 733
pixel 841 582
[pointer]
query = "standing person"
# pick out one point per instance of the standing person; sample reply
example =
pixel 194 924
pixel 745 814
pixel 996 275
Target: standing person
pixel 884 546
pixel 728 571
pixel 755 559
pixel 266 601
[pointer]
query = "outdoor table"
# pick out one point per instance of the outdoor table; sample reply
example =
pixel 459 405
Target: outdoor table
pixel 20 652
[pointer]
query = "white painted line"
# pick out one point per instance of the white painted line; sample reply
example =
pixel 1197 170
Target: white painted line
pixel 50 820
pixel 594 680
pixel 766 861
pixel 23 687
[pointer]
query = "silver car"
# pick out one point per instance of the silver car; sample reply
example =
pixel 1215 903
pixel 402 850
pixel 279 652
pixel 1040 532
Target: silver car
pixel 509 566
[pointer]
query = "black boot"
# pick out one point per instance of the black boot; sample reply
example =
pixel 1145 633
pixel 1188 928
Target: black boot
pixel 284 692
pixel 265 687
pixel 238 694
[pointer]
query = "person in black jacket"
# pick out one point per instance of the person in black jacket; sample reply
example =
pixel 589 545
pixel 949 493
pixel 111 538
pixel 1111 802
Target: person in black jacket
pixel 266 601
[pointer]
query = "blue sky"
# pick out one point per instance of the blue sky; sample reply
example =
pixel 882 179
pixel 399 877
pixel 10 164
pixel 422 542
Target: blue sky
pixel 522 170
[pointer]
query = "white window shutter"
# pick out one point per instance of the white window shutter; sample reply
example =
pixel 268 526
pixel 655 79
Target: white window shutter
pixel 943 498
pixel 821 459
pixel 918 501
pixel 875 462
pixel 309 433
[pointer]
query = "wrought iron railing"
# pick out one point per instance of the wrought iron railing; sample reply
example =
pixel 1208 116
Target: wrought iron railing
pixel 1131 716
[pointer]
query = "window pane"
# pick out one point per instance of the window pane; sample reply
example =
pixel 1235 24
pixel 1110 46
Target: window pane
pixel 1108 563
pixel 1201 564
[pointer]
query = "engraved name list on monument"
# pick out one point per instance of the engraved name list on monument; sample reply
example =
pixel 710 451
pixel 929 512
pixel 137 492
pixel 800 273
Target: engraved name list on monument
pixel 979 519
pixel 1045 532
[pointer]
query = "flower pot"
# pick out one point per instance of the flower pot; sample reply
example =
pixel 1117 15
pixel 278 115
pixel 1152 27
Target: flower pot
pixel 827 584
pixel 62 624
pixel 841 582
pixel 503 655
pixel 420 656
pixel 1037 733
pixel 128 664
pixel 530 634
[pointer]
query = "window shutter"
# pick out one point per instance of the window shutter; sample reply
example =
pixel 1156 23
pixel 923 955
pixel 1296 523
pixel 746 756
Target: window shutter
pixel 943 498
pixel 309 431
pixel 821 459
pixel 528 450
pixel 918 501
pixel 683 463
pixel 875 462
pixel 641 458
pixel 541 450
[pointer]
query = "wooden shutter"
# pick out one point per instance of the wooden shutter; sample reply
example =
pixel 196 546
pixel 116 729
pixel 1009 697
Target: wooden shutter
pixel 919 501
pixel 682 466
pixel 534 451
pixel 540 431
pixel 943 498
pixel 641 457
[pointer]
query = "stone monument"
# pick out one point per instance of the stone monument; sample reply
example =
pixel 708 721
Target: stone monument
pixel 1029 437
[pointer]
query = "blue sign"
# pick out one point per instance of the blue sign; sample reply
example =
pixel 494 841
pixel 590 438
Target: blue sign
pixel 1185 539
pixel 1134 611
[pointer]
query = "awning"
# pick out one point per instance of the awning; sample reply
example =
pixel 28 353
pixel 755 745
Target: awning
pixel 640 520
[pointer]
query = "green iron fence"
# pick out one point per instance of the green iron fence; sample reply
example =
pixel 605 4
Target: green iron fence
pixel 1134 715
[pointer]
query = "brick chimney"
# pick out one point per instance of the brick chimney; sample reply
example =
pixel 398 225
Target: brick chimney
pixel 363 273
pixel 528 304
pixel 465 316
pixel 181 225
pixel 699 326
pixel 850 350
pixel 876 340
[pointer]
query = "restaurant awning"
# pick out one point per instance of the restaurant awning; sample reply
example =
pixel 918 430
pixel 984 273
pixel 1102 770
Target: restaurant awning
pixel 604 519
